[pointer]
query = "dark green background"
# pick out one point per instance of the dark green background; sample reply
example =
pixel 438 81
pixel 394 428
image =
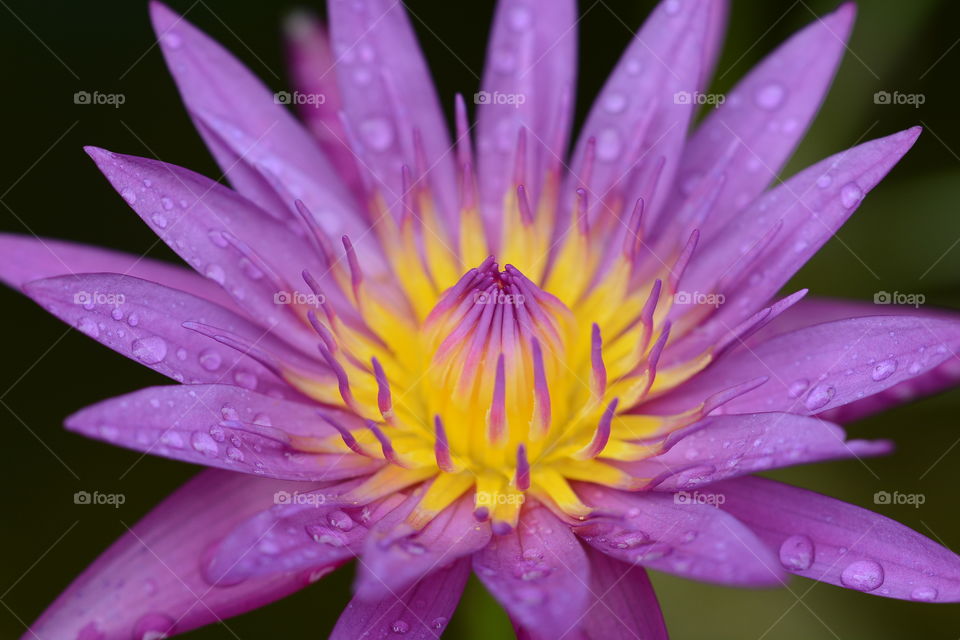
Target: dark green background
pixel 904 233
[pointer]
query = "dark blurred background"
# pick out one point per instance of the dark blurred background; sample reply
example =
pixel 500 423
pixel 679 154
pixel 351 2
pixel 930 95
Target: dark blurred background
pixel 902 239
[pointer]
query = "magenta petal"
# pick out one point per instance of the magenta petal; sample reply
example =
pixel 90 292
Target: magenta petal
pixel 539 573
pixel 312 70
pixel 144 321
pixel 388 95
pixel 641 115
pixel 213 83
pixel 726 446
pixel 222 235
pixel 679 535
pixel 394 558
pixel 421 612
pixel 759 250
pixel 529 82
pixel 303 530
pixel 623 605
pixel 27 259
pixel 832 541
pixel 765 115
pixel 827 365
pixel 815 311
pixel 149 582
pixel 219 426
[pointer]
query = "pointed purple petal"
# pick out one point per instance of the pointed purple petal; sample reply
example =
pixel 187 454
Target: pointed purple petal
pixel 221 234
pixel 394 558
pixel 421 612
pixel 219 426
pixel 144 321
pixel 624 604
pixel 262 134
pixel 802 214
pixel 528 82
pixel 640 115
pixel 539 573
pixel 679 535
pixel 726 446
pixel 832 541
pixel 149 582
pixel 27 259
pixel 767 114
pixel 387 93
pixel 825 366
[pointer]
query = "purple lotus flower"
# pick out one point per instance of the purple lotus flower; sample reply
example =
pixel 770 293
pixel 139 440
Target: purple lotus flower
pixel 552 370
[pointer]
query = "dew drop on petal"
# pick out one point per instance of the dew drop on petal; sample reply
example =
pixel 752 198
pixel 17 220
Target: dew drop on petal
pixel 883 370
pixel 769 96
pixel 210 360
pixel 129 195
pixel 797 387
pixel 172 39
pixel 166 203
pixel 215 272
pixel 614 102
pixel 400 627
pixel 149 350
pixel 217 238
pixel 824 181
pixel 438 623
pixel 116 313
pixel 850 195
pixel 796 553
pixel 520 18
pixel 377 133
pixel 217 433
pixel 203 443
pixel 608 144
pixel 862 575
pixel 89 327
pixel 819 396
pixel 924 594
pixel 153 626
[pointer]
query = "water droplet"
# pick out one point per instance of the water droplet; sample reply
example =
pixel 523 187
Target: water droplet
pixel 797 387
pixel 116 313
pixel 149 350
pixel 172 40
pixel 819 396
pixel 520 18
pixel 608 144
pixel 796 553
pixel 671 7
pixel 438 623
pixel 181 354
pixel 154 626
pixel 89 327
pixel 883 370
pixel 504 61
pixel 634 66
pixel 924 594
pixel 340 520
pixel 377 133
pixel 614 102
pixel 245 379
pixel 210 360
pixel 160 220
pixel 133 319
pixel 862 575
pixel 172 439
pixel 234 454
pixel 129 195
pixel 769 96
pixel 850 195
pixel 824 181
pixel 229 413
pixel 217 238
pixel 203 443
pixel 215 272
pixel 400 627
pixel 166 203
pixel 216 432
